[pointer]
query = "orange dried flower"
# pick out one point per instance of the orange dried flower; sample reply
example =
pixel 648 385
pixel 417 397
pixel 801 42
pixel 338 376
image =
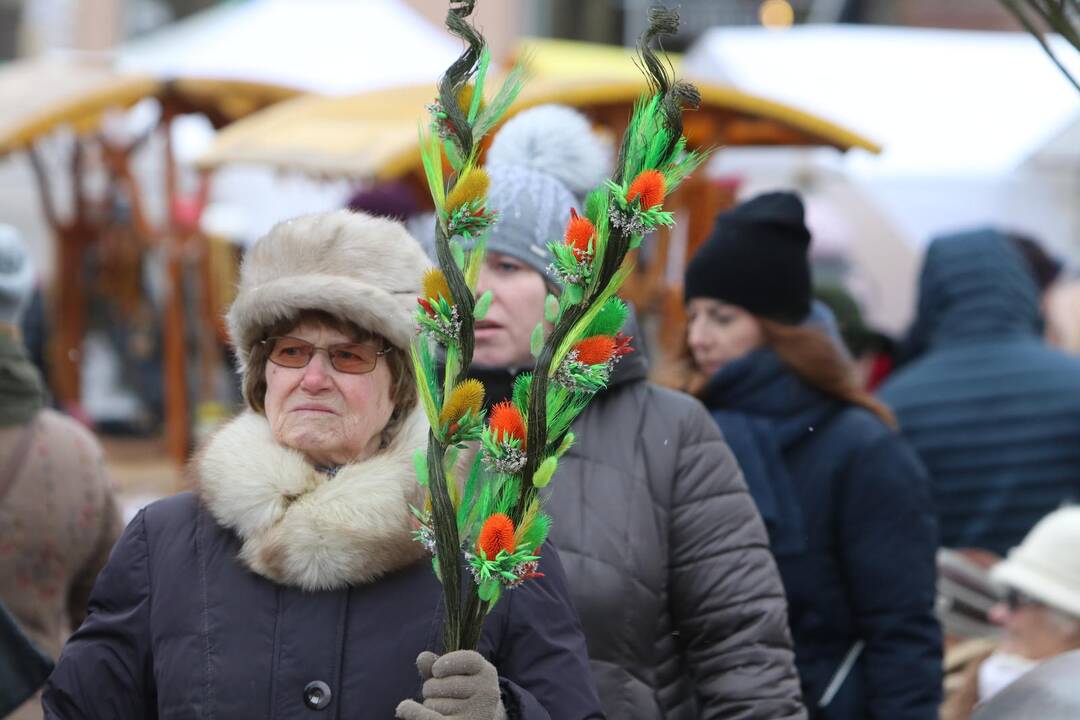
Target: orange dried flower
pixel 595 350
pixel 435 286
pixel 497 534
pixel 649 185
pixel 506 423
pixel 579 233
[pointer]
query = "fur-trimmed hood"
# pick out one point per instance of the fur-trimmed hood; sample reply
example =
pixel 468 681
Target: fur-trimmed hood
pixel 301 527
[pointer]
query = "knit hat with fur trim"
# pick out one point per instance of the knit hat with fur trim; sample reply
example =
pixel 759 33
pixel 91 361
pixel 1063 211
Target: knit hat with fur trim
pixel 756 258
pixel 360 268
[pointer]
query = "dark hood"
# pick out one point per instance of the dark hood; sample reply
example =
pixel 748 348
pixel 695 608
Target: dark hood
pixel 974 286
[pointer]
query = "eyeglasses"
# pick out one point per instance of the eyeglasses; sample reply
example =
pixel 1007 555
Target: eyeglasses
pixel 349 358
pixel 1014 600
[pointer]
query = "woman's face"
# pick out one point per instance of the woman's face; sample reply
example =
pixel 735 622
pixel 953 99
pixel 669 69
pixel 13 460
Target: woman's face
pixel 330 416
pixel 1032 631
pixel 718 333
pixel 502 337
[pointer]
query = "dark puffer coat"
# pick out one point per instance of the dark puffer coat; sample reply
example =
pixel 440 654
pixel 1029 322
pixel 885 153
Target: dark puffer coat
pixel 993 412
pixel 848 509
pixel 667 561
pixel 330 620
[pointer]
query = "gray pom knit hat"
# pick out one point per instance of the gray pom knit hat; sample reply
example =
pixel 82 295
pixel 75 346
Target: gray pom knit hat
pixel 533 210
pixel 541 163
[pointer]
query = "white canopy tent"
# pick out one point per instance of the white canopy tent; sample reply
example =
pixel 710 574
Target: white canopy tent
pixel 328 46
pixel 959 114
pixel 324 46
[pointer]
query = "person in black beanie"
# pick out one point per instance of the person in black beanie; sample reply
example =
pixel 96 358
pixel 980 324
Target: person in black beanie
pixel 846 502
pixel 756 258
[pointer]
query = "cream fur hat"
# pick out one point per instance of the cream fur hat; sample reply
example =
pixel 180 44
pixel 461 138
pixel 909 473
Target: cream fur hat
pixel 360 268
pixel 1046 565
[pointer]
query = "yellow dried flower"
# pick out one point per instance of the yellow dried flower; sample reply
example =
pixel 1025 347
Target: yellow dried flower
pixel 473 185
pixel 464 99
pixel 435 285
pixel 466 395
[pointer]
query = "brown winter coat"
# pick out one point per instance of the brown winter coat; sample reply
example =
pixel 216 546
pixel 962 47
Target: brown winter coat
pixel 58 521
pixel 667 560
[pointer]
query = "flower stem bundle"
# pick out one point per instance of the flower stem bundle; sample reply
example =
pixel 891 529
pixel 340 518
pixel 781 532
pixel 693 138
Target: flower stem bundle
pixel 492 520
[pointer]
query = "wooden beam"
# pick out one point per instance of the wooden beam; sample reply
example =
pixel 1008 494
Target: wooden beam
pixel 177 416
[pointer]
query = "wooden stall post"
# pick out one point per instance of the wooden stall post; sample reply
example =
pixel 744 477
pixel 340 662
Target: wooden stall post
pixel 177 415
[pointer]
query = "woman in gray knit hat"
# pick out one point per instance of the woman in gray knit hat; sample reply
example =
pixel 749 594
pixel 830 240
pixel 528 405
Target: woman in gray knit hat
pixel 666 558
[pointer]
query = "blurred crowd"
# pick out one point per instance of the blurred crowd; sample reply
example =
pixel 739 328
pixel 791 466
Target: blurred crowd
pixel 790 515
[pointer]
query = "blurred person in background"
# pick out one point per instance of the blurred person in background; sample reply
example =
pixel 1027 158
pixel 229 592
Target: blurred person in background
pixel 846 502
pixel 1063 316
pixel 872 351
pixel 1039 617
pixel 291 581
pixel 393 200
pixel 397 200
pixel 1045 268
pixel 666 557
pixel 23 667
pixel 58 515
pixel 993 412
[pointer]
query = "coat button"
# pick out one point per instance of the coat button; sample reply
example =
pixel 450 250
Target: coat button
pixel 317 695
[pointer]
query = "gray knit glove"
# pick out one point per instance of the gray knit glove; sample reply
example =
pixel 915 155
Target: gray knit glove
pixel 461 685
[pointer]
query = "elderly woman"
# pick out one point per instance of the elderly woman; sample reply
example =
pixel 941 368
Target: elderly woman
pixel 290 581
pixel 1040 620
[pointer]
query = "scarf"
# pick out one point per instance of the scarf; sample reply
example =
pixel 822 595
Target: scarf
pixel 764 410
pixel 22 391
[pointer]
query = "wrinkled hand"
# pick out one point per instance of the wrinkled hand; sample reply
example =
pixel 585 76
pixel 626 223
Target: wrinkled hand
pixel 461 685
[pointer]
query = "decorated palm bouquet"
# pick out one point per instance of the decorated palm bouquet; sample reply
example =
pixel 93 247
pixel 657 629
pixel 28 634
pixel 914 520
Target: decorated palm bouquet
pixel 482 518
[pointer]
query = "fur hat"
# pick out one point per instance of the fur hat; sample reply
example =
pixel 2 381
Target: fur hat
pixel 1045 565
pixel 16 275
pixel 542 163
pixel 360 268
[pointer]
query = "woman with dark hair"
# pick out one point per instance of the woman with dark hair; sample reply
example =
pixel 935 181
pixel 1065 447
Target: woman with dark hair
pixel 845 501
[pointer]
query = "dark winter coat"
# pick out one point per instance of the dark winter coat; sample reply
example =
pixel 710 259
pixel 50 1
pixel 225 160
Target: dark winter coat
pixel 993 412
pixel 848 510
pixel 281 582
pixel 667 561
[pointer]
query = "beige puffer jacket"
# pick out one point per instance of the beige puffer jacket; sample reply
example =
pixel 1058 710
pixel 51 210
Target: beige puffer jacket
pixel 58 522
pixel 667 560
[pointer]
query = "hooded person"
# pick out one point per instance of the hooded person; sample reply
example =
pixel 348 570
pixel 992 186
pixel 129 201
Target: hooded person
pixel 845 501
pixel 991 409
pixel 666 557
pixel 290 582
pixel 58 513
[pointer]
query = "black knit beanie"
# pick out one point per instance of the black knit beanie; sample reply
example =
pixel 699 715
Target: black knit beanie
pixel 756 258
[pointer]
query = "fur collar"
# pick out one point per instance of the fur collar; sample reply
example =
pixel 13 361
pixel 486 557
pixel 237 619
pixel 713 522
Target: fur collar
pixel 299 527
